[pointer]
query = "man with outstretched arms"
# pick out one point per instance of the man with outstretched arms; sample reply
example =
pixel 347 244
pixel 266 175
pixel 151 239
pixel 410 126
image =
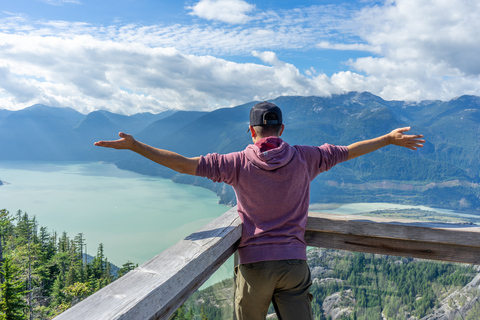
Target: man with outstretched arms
pixel 271 180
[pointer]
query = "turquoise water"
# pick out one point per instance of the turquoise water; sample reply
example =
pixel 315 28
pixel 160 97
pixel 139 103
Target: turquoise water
pixel 134 216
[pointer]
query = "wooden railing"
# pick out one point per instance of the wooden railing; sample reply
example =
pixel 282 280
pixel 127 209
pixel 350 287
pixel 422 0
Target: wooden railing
pixel 158 287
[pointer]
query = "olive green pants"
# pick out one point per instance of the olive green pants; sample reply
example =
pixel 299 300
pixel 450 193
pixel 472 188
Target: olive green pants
pixel 285 283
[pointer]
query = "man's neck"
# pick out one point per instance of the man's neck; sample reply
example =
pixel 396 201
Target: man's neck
pixel 268 143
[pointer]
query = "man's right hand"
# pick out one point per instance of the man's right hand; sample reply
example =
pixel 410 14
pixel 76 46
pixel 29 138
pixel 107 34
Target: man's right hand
pixel 126 141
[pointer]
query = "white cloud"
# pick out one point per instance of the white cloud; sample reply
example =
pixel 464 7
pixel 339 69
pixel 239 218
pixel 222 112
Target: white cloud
pixel 349 47
pixel 297 29
pixel 135 68
pixel 229 11
pixel 24 90
pixel 438 31
pixel 412 50
pixel 426 49
pixel 87 74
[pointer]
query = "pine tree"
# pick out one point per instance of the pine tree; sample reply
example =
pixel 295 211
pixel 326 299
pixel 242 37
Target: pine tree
pixel 80 243
pixel 5 226
pixel 126 267
pixel 64 243
pixel 57 290
pixel 98 263
pixel 72 276
pixel 12 292
pixel 179 314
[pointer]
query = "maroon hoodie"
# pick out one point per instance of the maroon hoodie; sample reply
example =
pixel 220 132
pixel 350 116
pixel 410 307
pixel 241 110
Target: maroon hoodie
pixel 271 180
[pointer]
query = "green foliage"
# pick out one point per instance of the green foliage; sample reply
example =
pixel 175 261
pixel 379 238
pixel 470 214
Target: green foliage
pixel 41 274
pixel 367 286
pixel 212 303
pixel 394 286
pixel 12 291
pixel 126 267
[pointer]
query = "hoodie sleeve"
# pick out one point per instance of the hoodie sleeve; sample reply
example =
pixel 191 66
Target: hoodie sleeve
pixel 219 167
pixel 323 158
pixel 331 155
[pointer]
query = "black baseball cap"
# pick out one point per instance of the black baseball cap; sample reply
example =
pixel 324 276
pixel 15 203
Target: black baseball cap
pixel 265 113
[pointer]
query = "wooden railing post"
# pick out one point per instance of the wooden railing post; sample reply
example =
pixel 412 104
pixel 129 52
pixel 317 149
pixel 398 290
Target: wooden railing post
pixel 235 264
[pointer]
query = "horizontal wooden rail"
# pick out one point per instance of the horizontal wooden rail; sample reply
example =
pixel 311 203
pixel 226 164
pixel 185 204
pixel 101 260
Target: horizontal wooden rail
pixel 425 240
pixel 158 287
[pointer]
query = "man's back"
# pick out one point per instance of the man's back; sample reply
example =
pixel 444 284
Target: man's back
pixel 272 183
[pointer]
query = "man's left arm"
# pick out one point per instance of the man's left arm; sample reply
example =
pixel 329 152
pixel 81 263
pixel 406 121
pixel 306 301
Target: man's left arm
pixel 396 137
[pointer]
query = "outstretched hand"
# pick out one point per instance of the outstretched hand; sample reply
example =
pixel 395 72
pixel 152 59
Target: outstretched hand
pixel 398 138
pixel 126 141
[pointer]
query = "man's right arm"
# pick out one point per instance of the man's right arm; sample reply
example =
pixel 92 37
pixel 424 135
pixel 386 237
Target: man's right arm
pixel 165 158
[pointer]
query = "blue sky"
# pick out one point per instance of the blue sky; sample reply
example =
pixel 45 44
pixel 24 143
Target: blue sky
pixel 131 56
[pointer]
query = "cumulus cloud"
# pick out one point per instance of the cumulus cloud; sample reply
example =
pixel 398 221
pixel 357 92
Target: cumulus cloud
pixel 133 68
pixel 24 90
pixel 424 49
pixel 86 74
pixel 229 11
pixel 411 50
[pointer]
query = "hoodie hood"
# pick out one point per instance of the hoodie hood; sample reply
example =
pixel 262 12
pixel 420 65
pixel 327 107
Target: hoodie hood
pixel 270 153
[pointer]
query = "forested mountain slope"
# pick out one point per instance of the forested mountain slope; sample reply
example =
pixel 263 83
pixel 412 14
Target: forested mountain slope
pixel 444 173
pixel 353 285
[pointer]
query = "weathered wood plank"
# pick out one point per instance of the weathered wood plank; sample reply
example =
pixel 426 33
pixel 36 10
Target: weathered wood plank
pixel 436 241
pixel 395 247
pixel 158 287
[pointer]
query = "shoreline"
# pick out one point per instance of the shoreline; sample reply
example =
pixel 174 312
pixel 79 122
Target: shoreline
pixel 359 207
pixel 375 207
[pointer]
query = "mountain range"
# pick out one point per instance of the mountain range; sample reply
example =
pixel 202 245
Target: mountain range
pixel 444 173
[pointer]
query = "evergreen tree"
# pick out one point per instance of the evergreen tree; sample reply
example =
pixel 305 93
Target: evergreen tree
pixel 98 263
pixel 179 314
pixel 80 243
pixel 72 276
pixel 57 291
pixel 63 243
pixel 126 267
pixel 190 314
pixel 12 293
pixel 5 227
